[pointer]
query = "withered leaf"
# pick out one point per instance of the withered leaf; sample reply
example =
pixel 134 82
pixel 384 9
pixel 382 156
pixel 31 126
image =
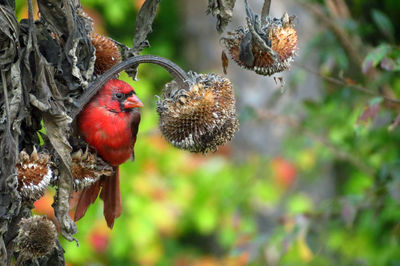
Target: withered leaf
pixel 144 21
pixel 223 10
pixel 225 61
pixel 369 113
pixel 9 31
pixel 396 123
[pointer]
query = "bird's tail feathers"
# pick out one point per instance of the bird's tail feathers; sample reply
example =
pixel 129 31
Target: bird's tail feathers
pixel 110 194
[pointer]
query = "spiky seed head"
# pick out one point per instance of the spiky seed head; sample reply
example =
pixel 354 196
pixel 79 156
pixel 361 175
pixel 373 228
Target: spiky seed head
pixel 278 49
pixel 37 237
pixel 87 168
pixel 34 174
pixel 107 53
pixel 200 118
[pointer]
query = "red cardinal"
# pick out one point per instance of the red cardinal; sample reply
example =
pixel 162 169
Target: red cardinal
pixel 109 123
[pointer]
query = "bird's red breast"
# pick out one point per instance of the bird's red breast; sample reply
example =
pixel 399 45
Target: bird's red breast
pixel 109 124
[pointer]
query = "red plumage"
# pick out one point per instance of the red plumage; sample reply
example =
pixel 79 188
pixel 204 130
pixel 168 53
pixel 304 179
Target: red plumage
pixel 109 123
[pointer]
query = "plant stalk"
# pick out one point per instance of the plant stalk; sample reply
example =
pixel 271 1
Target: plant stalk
pixel 176 72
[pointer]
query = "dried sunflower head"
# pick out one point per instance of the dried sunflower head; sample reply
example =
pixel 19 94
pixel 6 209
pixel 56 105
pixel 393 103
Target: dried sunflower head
pixel 199 118
pixel 34 174
pixel 37 237
pixel 266 47
pixel 87 168
pixel 107 53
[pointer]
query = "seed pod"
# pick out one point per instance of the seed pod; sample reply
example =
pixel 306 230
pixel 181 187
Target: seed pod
pixel 107 53
pixel 87 168
pixel 199 118
pixel 36 238
pixel 34 174
pixel 266 48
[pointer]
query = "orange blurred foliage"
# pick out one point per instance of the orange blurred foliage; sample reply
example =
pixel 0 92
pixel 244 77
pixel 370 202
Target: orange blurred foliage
pixel 43 206
pixel 97 20
pixel 158 142
pixel 23 13
pixel 284 171
pixel 138 3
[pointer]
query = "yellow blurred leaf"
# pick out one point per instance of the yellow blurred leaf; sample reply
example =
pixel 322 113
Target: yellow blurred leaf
pixel 305 252
pixel 165 218
pixel 306 159
pixel 141 186
pixel 151 254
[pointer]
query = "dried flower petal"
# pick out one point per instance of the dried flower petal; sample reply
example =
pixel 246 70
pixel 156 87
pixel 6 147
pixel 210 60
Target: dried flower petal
pixel 87 168
pixel 34 174
pixel 201 118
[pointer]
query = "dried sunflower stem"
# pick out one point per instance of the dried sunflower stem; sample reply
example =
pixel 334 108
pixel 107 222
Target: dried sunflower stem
pixel 179 75
pixel 3 81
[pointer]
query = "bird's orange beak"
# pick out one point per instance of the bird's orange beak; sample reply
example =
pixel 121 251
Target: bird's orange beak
pixel 132 102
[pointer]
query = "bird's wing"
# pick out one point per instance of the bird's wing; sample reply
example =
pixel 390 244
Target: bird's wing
pixel 134 127
pixel 87 197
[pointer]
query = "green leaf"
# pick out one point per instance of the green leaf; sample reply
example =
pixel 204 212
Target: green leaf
pixel 299 203
pixel 375 100
pixel 248 113
pixel 390 64
pixel 383 23
pixel 376 56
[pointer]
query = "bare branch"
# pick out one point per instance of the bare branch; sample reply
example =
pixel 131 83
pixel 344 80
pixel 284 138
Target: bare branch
pixel 343 83
pixel 346 40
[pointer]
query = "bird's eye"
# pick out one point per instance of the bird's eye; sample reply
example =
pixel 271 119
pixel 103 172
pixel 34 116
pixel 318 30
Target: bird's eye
pixel 119 95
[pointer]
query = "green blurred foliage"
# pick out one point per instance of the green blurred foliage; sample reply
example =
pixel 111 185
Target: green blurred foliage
pixel 185 209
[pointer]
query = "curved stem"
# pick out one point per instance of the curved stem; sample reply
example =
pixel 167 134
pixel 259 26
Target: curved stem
pixel 179 75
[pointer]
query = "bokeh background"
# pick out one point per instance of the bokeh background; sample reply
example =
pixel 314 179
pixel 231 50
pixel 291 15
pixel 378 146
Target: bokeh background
pixel 311 178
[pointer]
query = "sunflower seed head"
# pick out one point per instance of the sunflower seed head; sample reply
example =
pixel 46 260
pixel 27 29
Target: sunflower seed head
pixel 200 118
pixel 107 53
pixel 34 174
pixel 37 237
pixel 87 168
pixel 269 49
